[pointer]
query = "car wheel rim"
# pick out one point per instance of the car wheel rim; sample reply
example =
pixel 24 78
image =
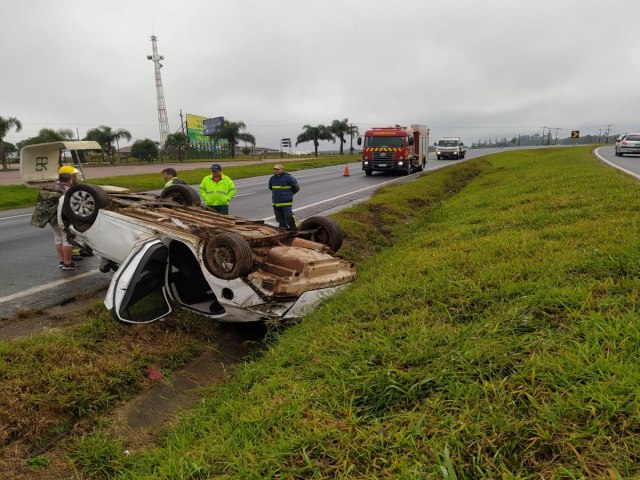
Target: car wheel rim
pixel 82 204
pixel 224 259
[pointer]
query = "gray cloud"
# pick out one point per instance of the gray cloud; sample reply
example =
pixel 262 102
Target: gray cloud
pixel 478 69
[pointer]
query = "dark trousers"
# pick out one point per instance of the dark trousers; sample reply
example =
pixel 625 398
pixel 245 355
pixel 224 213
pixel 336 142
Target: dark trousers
pixel 284 217
pixel 224 209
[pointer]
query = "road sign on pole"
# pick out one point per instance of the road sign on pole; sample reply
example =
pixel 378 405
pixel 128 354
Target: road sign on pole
pixel 575 133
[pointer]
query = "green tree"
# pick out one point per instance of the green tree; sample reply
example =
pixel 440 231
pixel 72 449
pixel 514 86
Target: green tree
pixel 341 128
pixel 46 135
pixel 315 134
pixel 353 132
pixel 177 145
pixel 7 124
pixel 232 133
pixel 145 149
pixel 106 136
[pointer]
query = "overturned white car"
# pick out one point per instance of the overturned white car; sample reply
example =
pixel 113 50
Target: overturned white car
pixel 168 250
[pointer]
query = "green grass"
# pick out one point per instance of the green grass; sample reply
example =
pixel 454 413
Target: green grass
pixel 49 382
pixel 19 196
pixel 492 333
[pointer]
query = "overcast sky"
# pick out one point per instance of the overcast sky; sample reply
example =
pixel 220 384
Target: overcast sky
pixel 477 69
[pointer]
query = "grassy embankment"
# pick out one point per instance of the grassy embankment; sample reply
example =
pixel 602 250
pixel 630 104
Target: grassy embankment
pixel 492 333
pixel 18 196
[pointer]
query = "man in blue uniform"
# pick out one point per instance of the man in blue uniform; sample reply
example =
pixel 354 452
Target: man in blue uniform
pixel 283 187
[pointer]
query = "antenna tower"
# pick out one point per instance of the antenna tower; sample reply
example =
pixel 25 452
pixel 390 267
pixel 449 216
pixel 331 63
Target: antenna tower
pixel 162 108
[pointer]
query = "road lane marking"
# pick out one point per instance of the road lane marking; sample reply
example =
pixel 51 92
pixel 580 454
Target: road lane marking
pixel 377 185
pixel 17 216
pixel 597 152
pixel 41 288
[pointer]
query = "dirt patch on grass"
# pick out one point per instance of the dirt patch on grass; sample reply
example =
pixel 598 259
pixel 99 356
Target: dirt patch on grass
pixel 134 422
pixel 60 317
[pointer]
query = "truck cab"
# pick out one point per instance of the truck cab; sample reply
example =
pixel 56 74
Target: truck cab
pixel 450 147
pixel 395 149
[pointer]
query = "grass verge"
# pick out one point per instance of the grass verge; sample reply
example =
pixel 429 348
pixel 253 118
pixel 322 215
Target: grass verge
pixel 50 382
pixel 492 333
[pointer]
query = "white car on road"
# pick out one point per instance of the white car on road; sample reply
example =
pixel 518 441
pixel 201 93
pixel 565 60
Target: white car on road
pixel 628 143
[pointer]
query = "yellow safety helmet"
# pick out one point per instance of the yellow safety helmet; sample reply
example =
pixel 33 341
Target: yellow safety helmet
pixel 68 169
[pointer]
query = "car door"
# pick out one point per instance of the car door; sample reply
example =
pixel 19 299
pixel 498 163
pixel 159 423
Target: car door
pixel 137 292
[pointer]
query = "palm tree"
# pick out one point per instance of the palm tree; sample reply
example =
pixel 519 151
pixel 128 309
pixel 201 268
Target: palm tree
pixel 105 136
pixel 315 134
pixel 231 132
pixel 7 124
pixel 341 128
pixel 46 135
pixel 353 132
pixel 177 144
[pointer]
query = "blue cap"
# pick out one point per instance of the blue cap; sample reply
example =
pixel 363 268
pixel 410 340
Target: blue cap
pixel 215 166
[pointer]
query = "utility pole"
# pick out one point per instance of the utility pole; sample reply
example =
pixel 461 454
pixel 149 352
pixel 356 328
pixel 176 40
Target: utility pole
pixel 351 135
pixel 162 108
pixel 556 140
pixel 599 135
pixel 607 134
pixel 542 138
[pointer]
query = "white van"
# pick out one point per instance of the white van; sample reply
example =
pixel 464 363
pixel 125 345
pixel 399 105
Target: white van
pixel 450 147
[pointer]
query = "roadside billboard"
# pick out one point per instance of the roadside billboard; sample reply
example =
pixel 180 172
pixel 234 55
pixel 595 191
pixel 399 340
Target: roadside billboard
pixel 211 125
pixel 195 128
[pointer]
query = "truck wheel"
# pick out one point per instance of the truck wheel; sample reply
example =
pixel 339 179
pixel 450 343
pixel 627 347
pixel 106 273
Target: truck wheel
pixel 82 203
pixel 182 194
pixel 228 256
pixel 438 157
pixel 324 230
pixel 368 172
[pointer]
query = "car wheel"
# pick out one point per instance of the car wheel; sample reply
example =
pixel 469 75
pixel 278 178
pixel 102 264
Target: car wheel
pixel 182 194
pixel 324 230
pixel 228 256
pixel 82 203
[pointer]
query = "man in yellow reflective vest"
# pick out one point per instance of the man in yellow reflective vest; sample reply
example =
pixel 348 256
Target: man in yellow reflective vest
pixel 217 190
pixel 283 187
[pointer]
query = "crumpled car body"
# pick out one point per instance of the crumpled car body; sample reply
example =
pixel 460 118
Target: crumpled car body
pixel 168 250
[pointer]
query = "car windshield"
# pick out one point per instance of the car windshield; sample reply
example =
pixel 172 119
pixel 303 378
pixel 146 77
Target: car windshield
pixel 632 138
pixel 384 142
pixel 447 143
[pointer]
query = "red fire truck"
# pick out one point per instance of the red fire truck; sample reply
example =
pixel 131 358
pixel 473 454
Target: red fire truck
pixel 395 149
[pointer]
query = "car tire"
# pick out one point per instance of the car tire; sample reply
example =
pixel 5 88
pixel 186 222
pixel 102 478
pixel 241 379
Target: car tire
pixel 228 256
pixel 182 194
pixel 324 230
pixel 82 203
